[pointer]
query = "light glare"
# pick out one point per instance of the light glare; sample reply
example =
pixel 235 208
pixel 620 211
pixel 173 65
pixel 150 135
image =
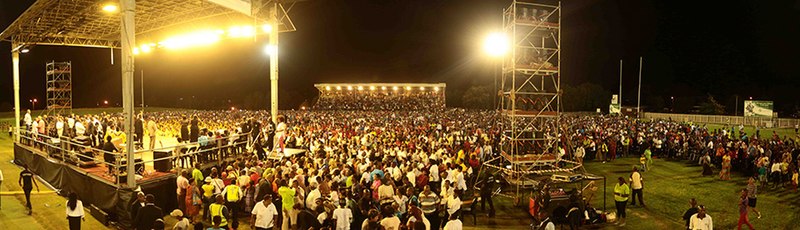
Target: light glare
pixel 110 8
pixel 266 28
pixel 496 44
pixel 271 50
pixel 199 38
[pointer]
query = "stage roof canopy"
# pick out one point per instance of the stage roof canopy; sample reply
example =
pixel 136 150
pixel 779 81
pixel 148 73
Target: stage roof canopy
pixel 329 86
pixel 88 23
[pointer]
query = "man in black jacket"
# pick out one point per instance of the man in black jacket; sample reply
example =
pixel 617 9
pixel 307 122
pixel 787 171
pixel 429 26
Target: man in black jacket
pixel 148 214
pixel 137 204
pixel 108 156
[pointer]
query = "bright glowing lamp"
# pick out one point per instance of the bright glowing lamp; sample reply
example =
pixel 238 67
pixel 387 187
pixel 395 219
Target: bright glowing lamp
pixel 436 88
pixel 383 87
pixel 421 88
pixel 360 88
pixel 24 50
pixel 135 51
pixel 408 87
pixel 372 88
pixel 266 28
pixel 349 87
pixel 338 88
pixel 110 8
pixel 328 88
pixel 271 50
pixel 496 44
pixel 395 88
pixel 146 49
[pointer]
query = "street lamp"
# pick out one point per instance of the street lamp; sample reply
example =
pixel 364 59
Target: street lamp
pixel 33 103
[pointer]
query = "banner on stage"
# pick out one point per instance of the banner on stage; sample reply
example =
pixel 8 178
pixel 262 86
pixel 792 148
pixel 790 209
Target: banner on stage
pixel 758 108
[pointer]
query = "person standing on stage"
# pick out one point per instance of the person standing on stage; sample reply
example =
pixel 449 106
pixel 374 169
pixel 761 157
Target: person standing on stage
pixel 184 130
pixel 26 181
pixel 74 212
pixel 194 129
pixel 152 128
pixel 138 130
pixel 280 133
pixel 108 155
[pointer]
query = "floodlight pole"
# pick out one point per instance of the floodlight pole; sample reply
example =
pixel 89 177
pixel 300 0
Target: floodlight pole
pixel 273 62
pixel 127 41
pixel 15 67
pixel 639 97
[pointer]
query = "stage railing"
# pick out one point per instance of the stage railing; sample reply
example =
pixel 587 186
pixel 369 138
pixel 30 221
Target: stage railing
pixel 182 155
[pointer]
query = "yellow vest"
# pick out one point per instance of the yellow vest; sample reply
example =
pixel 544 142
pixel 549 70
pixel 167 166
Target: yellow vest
pixel 232 193
pixel 216 210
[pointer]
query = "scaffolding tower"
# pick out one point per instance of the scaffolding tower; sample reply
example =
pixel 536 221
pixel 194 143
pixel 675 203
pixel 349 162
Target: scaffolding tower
pixel 59 86
pixel 530 102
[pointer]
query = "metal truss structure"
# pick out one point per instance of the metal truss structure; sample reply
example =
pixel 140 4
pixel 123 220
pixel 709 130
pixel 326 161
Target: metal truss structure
pixel 82 22
pixel 59 86
pixel 530 96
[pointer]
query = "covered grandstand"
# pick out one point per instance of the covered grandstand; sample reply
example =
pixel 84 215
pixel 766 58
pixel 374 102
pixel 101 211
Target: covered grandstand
pixel 380 96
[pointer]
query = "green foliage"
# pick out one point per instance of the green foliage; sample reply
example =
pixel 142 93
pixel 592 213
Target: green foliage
pixel 584 97
pixel 711 106
pixel 478 97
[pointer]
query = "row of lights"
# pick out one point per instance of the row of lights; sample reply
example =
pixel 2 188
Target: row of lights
pixel 204 38
pixel 373 88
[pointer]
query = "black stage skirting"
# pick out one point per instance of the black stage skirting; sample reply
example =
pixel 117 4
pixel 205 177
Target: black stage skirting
pixel 91 190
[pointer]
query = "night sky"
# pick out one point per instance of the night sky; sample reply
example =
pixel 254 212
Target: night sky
pixel 691 49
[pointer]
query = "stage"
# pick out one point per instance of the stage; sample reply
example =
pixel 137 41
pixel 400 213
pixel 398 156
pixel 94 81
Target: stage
pixel 95 187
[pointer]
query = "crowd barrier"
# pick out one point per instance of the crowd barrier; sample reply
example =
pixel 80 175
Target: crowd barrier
pixel 767 122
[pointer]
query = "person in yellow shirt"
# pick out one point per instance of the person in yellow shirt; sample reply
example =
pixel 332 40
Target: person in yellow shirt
pixel 208 193
pixel 621 194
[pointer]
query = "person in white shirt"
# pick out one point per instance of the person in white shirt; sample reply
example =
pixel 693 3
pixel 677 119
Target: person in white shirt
pixel 454 203
pixel 264 214
pixel 311 199
pixel 343 216
pixel 454 223
pixel 74 212
pixel 80 130
pixel 701 220
pixel 391 223
pixel 434 176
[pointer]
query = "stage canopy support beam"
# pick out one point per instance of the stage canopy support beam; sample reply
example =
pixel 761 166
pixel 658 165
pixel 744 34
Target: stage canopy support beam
pixel 15 67
pixel 273 61
pixel 127 41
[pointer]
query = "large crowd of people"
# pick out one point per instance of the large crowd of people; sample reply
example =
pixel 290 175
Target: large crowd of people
pixel 405 169
pixel 381 100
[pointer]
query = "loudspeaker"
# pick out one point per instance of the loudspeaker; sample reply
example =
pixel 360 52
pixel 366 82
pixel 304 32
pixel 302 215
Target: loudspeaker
pixel 162 165
pixel 98 214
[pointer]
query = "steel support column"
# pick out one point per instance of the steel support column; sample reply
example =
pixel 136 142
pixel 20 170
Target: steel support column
pixel 127 38
pixel 273 61
pixel 15 70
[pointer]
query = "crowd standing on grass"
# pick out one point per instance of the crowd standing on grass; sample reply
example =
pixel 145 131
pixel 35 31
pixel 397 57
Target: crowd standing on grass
pixel 407 168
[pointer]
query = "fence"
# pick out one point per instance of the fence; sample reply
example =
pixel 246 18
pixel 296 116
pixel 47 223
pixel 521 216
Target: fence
pixel 721 119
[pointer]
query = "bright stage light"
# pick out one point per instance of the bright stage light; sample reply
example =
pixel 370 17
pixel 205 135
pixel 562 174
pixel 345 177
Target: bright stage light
pixel 395 88
pixel 110 8
pixel 436 88
pixel 338 88
pixel 136 51
pixel 422 88
pixel 496 44
pixel 25 50
pixel 271 50
pixel 372 88
pixel 267 28
pixel 408 87
pixel 349 87
pixel 146 49
pixel 233 108
pixel 360 88
pixel 383 87
pixel 328 88
pixel 199 38
pixel 241 31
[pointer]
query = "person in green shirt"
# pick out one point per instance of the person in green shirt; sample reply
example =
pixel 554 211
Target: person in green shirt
pixel 648 155
pixel 197 175
pixel 621 194
pixel 287 203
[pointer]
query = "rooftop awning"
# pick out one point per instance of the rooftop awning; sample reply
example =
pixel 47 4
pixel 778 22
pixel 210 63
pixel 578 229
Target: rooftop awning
pixel 84 23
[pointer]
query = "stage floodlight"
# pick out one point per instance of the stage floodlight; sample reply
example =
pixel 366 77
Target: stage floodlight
pixel 241 31
pixel 271 50
pixel 267 28
pixel 136 51
pixel 338 88
pixel 436 88
pixel 110 8
pixel 395 88
pixel 408 87
pixel 372 88
pixel 383 87
pixel 496 44
pixel 233 108
pixel 360 88
pixel 199 38
pixel 422 88
pixel 349 87
pixel 146 49
pixel 24 50
pixel 328 88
